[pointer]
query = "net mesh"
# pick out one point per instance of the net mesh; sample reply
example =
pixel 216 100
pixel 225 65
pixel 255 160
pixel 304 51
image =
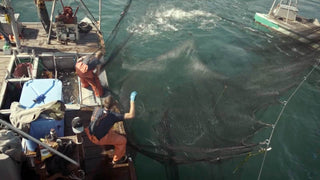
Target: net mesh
pixel 187 109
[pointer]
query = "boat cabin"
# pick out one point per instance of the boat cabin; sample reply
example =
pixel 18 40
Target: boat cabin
pixel 286 10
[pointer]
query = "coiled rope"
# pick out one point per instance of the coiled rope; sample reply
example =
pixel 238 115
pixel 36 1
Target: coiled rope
pixel 281 112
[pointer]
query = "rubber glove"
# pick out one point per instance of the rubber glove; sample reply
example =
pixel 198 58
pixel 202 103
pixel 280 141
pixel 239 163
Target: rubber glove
pixel 133 95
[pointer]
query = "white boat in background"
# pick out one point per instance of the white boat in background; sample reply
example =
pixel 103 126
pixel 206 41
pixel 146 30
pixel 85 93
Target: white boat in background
pixel 283 17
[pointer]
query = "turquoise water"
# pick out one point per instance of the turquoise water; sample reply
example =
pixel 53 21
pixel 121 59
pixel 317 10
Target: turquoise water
pixel 208 77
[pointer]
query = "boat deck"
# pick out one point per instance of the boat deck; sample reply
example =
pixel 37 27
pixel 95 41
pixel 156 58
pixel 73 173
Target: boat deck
pixel 97 159
pixel 303 27
pixel 304 30
pixel 34 37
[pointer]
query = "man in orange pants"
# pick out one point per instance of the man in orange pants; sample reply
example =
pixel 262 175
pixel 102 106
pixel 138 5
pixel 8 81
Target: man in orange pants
pixel 102 120
pixel 85 67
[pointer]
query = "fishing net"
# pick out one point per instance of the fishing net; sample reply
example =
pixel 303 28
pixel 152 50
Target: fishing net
pixel 197 104
pixel 22 70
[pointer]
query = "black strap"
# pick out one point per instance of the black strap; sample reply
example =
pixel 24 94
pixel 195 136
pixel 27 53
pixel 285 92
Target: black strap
pixel 97 121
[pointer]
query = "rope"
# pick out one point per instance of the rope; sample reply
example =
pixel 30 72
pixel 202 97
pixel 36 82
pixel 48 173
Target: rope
pixel 41 97
pixel 113 35
pixel 280 114
pixel 220 96
pixel 250 154
pixel 115 30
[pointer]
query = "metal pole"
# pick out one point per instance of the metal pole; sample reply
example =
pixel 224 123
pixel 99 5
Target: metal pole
pixel 270 11
pixel 289 6
pixel 99 14
pixel 51 17
pixel 14 25
pixel 55 67
pixel 39 142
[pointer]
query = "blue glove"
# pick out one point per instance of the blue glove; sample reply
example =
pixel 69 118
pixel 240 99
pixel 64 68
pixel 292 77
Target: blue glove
pixel 133 95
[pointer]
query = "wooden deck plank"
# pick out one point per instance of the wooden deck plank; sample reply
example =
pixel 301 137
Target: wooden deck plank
pixel 35 37
pixel 3 70
pixel 88 97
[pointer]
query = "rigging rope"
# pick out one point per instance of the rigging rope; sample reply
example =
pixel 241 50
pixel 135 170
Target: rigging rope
pixel 115 30
pixel 91 17
pixel 280 114
pixel 113 35
pixel 218 99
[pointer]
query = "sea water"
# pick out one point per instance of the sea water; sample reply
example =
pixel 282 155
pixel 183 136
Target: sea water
pixel 208 77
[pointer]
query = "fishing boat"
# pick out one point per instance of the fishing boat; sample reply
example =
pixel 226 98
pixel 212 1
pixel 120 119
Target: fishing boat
pixel 283 17
pixel 38 60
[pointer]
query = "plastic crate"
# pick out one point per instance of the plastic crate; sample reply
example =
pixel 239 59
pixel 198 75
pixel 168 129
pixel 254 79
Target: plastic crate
pixel 38 92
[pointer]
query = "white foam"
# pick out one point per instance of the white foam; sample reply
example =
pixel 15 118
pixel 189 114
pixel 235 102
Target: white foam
pixel 179 14
pixel 170 20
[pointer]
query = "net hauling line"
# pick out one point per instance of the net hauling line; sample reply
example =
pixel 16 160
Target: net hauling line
pixel 280 115
pixel 111 36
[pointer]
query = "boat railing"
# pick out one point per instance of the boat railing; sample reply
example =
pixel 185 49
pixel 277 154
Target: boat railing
pixel 285 9
pixel 15 77
pixel 58 64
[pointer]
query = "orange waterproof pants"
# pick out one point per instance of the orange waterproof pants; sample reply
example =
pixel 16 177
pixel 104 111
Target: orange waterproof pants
pixel 112 138
pixel 89 78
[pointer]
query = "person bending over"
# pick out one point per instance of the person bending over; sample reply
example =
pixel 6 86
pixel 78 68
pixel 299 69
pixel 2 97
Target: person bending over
pixel 85 67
